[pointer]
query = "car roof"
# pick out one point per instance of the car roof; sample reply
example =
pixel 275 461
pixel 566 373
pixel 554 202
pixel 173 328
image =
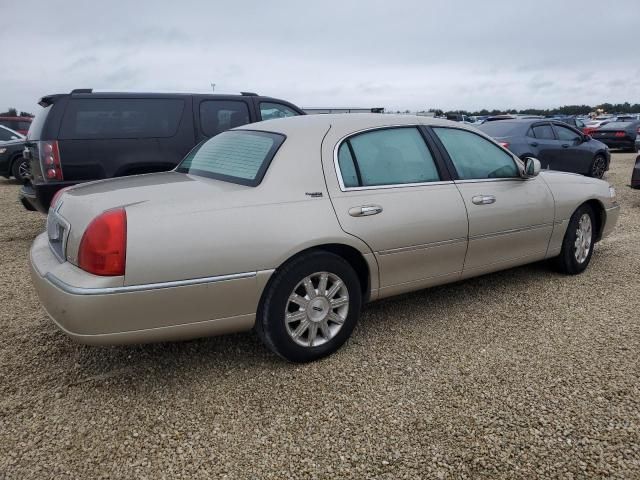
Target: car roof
pixel 346 123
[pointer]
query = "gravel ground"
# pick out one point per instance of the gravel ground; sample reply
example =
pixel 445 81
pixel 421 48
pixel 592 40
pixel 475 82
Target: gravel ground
pixel 519 374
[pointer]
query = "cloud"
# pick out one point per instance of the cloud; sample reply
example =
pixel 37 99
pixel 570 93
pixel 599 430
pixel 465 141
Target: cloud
pixel 400 55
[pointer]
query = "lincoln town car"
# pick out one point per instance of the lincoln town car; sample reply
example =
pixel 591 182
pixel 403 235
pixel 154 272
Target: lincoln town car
pixel 288 226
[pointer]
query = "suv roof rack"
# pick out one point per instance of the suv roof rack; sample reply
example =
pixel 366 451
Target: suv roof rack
pixel 82 90
pixel 248 94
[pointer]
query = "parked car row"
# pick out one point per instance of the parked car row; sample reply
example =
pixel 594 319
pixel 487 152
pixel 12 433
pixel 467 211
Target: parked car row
pixel 288 226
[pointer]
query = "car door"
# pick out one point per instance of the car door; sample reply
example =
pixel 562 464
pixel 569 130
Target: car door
pixel 391 190
pixel 543 142
pixel 510 218
pixel 570 153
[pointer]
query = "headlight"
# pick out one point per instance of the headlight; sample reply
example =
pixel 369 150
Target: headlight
pixel 612 193
pixel 2 150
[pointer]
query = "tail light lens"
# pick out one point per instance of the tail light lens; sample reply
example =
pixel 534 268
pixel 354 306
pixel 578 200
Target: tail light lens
pixel 620 134
pixel 50 160
pixel 103 247
pixel 504 144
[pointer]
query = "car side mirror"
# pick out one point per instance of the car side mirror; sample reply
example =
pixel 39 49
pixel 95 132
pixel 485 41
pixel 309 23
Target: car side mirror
pixel 586 138
pixel 531 167
pixel 13 137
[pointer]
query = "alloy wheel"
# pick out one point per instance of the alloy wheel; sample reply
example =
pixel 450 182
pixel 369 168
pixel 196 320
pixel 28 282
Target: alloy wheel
pixel 316 309
pixel 598 168
pixel 584 232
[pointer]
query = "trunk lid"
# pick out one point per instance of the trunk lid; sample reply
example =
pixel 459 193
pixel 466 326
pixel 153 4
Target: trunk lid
pixel 169 192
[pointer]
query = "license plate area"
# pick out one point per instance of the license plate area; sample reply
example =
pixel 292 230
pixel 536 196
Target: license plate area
pixel 57 232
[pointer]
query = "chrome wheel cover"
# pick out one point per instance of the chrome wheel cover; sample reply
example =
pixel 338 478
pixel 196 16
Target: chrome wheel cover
pixel 317 308
pixel 584 232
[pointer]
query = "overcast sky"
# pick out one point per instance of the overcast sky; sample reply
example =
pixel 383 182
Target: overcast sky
pixel 449 54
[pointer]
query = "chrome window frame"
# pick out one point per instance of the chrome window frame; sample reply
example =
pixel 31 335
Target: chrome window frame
pixel 380 187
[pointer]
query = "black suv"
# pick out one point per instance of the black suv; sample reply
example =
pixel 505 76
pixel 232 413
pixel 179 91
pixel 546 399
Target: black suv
pixel 86 135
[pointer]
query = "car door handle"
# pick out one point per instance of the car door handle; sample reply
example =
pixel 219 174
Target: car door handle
pixel 365 210
pixel 534 144
pixel 565 145
pixel 483 199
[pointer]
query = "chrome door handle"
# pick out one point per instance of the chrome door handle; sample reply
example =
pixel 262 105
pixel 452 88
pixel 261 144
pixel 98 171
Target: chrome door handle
pixel 483 199
pixel 365 210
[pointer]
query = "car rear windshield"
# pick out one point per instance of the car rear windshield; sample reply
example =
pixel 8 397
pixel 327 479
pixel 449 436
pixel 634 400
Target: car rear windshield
pixel 503 128
pixel 236 156
pixel 35 129
pixel 110 118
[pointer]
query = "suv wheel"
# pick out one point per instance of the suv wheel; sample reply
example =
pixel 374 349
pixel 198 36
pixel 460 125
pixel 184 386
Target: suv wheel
pixel 310 307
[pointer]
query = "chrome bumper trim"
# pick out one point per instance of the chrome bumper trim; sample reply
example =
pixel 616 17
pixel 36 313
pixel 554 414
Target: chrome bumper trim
pixel 65 287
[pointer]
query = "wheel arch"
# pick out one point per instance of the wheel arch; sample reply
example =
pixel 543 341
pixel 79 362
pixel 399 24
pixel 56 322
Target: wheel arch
pixel 600 214
pixel 366 271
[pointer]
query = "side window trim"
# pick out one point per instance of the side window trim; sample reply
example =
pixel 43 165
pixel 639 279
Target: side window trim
pixel 450 165
pixel 445 177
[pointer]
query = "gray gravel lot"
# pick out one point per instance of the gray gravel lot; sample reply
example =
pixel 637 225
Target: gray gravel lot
pixel 520 374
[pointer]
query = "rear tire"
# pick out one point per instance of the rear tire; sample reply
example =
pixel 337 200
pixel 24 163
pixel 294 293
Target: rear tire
pixel 577 246
pixel 310 307
pixel 20 169
pixel 598 166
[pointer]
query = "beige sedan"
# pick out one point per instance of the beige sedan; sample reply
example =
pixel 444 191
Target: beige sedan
pixel 289 225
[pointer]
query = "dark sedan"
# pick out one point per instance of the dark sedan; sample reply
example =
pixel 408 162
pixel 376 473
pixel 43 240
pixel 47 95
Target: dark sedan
pixel 11 161
pixel 557 145
pixel 619 135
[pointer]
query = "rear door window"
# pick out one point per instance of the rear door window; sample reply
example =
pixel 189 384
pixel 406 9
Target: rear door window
pixel 543 132
pixel 219 115
pixel 105 118
pixel 6 135
pixel 390 156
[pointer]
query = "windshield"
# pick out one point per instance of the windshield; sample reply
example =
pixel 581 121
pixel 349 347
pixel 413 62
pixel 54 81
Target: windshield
pixel 236 156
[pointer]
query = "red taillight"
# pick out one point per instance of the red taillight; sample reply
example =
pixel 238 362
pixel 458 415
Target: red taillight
pixel 620 134
pixel 50 160
pixel 504 144
pixel 103 248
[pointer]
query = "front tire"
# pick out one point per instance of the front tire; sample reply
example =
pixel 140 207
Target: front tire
pixel 598 166
pixel 577 246
pixel 310 307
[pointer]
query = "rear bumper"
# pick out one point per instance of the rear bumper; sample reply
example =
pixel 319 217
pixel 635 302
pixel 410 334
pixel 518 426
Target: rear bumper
pixel 38 196
pixel 101 311
pixel 612 143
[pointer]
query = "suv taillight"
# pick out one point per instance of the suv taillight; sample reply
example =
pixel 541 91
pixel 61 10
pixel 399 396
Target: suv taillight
pixel 103 248
pixel 50 160
pixel 620 134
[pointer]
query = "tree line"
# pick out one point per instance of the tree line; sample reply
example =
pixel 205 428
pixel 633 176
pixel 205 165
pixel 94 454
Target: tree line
pixel 625 107
pixel 13 112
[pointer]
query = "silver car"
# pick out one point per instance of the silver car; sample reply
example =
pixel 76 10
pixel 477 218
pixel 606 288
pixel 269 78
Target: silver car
pixel 288 226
